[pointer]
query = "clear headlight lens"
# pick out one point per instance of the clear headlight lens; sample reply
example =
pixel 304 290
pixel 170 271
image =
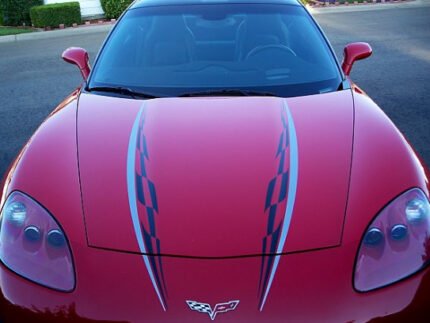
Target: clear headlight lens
pixel 33 245
pixel 396 244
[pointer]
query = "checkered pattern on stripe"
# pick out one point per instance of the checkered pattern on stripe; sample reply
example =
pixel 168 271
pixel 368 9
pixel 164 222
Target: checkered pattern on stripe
pixel 275 203
pixel 148 207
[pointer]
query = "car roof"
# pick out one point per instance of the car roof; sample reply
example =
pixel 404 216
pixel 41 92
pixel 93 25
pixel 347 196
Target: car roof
pixel 151 3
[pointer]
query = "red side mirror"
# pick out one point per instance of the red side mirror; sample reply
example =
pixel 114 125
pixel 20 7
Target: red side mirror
pixel 78 56
pixel 354 52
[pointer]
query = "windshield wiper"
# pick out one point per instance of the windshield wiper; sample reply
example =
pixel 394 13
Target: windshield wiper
pixel 122 90
pixel 227 92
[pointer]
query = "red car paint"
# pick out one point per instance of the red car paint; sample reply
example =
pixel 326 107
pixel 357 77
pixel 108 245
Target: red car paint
pixel 79 57
pixel 354 52
pixel 120 289
pixel 215 281
pixel 237 140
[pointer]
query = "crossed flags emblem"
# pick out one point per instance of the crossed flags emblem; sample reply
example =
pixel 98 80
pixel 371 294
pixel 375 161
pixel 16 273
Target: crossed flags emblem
pixel 206 308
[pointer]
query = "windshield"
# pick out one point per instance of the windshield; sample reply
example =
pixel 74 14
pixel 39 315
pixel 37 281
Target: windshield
pixel 179 50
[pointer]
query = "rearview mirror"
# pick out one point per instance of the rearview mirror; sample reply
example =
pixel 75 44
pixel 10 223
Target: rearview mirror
pixel 354 52
pixel 78 56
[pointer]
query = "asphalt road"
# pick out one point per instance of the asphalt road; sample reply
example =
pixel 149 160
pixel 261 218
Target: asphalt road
pixel 33 78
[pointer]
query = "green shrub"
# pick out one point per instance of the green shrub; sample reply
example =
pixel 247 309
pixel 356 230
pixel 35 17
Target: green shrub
pixel 17 12
pixel 114 8
pixel 1 16
pixel 52 15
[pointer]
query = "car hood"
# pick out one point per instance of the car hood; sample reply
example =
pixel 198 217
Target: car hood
pixel 215 177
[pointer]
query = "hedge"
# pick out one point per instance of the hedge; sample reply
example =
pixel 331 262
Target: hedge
pixel 1 16
pixel 52 15
pixel 17 12
pixel 114 8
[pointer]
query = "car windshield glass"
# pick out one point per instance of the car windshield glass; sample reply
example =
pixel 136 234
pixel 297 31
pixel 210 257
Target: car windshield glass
pixel 224 48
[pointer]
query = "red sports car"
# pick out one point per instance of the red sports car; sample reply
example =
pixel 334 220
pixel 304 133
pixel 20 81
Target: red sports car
pixel 217 163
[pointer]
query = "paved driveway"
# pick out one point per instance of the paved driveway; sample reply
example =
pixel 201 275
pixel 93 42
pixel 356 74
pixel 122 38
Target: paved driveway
pixel 33 79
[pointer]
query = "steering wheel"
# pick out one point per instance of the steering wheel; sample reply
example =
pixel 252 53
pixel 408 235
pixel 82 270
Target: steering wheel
pixel 262 48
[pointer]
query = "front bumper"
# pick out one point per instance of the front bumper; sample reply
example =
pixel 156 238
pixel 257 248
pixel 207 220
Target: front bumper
pixel 313 286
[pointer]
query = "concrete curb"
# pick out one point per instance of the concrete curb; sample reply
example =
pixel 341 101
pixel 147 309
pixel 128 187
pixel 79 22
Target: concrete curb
pixel 337 3
pixel 57 33
pixel 327 9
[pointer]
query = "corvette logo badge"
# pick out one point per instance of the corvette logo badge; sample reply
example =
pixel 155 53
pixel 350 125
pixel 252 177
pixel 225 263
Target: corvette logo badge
pixel 206 308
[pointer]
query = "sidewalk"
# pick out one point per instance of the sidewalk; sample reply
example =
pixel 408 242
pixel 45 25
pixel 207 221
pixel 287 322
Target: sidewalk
pixel 105 27
pixel 81 30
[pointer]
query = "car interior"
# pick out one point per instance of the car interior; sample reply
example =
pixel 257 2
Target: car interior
pixel 217 48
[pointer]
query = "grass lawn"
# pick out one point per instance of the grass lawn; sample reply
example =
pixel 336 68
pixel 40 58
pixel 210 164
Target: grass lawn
pixel 13 31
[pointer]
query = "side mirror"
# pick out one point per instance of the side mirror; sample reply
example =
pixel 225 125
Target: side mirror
pixel 78 56
pixel 354 52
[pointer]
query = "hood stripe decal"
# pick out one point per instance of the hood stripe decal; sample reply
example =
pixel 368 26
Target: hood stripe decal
pixel 132 198
pixel 281 231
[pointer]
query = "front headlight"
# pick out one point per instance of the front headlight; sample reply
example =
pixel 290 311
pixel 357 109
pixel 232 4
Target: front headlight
pixel 33 245
pixel 396 244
